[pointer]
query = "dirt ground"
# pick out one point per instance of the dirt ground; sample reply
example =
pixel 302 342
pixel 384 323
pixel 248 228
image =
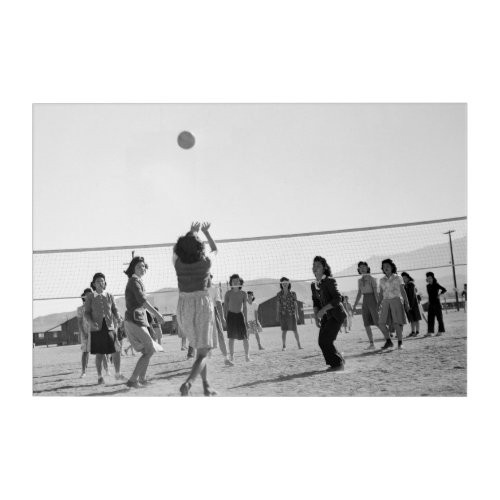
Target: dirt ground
pixel 435 366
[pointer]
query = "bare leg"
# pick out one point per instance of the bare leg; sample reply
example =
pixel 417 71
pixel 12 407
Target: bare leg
pixel 98 364
pixel 283 338
pixel 258 341
pixel 105 363
pixel 199 366
pixel 385 331
pixel 85 362
pixel 369 333
pixel 246 346
pixel 231 349
pixel 296 333
pixel 116 357
pixel 141 366
pixel 417 325
pixel 399 332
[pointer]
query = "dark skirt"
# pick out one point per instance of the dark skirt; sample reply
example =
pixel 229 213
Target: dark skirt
pixel 236 328
pixel 288 322
pixel 103 341
pixel 413 314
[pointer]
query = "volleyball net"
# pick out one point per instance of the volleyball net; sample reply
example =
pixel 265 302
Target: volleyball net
pixel 261 261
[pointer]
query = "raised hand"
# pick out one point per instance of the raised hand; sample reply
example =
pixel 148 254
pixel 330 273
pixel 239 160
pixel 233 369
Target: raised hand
pixel 205 226
pixel 195 227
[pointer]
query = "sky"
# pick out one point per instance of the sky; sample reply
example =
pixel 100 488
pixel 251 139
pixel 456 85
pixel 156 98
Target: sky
pixel 106 175
pixel 112 175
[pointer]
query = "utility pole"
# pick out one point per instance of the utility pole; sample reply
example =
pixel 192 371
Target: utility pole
pixel 453 267
pixel 127 263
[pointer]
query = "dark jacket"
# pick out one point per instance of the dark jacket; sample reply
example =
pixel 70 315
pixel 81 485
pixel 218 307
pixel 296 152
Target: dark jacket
pixel 328 294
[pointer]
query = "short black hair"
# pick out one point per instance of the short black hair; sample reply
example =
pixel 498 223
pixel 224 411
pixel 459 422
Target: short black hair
pixel 189 248
pixel 324 263
pixel 394 269
pixel 363 263
pixel 250 293
pixel 131 267
pixel 285 279
pixel 404 273
pixel 87 290
pixel 97 276
pixel 235 276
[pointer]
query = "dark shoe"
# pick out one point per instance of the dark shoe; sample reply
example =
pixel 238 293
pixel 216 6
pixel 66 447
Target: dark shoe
pixel 100 380
pixel 388 344
pixel 338 368
pixel 185 389
pixel 133 385
pixel 208 391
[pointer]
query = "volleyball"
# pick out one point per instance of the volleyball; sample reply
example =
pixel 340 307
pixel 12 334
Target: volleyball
pixel 185 140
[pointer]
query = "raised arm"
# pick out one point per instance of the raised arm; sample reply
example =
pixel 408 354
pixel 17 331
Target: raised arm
pixel 205 230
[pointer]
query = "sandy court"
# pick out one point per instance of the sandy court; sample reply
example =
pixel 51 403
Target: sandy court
pixel 435 366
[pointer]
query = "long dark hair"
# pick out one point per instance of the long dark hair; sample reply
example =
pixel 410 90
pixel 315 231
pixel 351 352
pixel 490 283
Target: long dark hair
pixel 87 290
pixel 131 267
pixel 327 269
pixel 189 248
pixel 404 273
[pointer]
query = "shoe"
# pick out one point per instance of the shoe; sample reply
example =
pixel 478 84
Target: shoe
pixel 339 368
pixel 261 348
pixel 416 334
pixel 183 349
pixel 284 348
pixel 100 381
pixel 412 334
pixel 370 347
pixel 388 344
pixel 133 385
pixel 439 334
pixel 300 347
pixel 185 389
pixel 208 391
pixel 83 375
pixel 119 376
pixel 247 359
pixel 145 382
pixel 400 346
pixel 227 362
pixel 428 335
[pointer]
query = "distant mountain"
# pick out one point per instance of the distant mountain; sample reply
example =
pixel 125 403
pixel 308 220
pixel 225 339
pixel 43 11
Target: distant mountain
pixel 264 288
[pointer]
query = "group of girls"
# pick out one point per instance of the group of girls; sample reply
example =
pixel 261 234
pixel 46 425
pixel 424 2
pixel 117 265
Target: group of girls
pixel 201 313
pixel 397 299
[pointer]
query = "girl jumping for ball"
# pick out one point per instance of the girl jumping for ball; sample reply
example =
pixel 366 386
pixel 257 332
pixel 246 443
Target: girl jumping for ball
pixel 195 309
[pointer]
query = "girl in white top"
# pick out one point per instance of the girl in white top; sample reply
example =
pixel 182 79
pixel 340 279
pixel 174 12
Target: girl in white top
pixel 392 296
pixel 253 320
